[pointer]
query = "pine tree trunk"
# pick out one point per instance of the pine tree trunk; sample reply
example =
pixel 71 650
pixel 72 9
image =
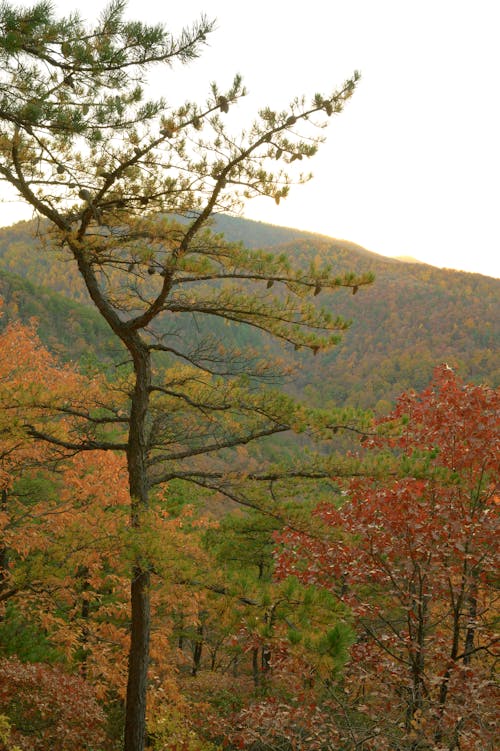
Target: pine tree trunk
pixel 135 710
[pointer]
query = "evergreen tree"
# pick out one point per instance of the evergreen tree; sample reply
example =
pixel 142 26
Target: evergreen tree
pixel 105 168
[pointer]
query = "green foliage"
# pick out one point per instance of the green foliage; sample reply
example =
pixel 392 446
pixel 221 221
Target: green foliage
pixel 180 496
pixel 244 542
pixel 33 488
pixel 336 643
pixel 71 330
pixel 26 640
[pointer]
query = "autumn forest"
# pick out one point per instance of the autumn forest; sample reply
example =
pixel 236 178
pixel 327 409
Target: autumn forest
pixel 248 475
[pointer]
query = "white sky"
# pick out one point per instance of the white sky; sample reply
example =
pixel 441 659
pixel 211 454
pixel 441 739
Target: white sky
pixel 412 166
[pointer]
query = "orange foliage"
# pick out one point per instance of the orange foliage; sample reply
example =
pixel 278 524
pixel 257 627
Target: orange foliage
pixel 69 551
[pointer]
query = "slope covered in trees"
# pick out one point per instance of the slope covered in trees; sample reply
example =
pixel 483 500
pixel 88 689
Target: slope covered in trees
pixel 69 329
pixel 412 318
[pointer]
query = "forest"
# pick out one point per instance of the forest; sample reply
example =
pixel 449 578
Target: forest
pixel 248 475
pixel 360 616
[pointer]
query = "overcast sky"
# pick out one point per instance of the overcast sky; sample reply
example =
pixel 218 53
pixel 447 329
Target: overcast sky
pixel 412 166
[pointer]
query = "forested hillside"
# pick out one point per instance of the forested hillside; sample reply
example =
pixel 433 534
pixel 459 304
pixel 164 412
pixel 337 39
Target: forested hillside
pixel 414 316
pixel 70 329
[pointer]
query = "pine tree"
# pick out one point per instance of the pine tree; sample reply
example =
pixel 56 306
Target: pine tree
pixel 107 170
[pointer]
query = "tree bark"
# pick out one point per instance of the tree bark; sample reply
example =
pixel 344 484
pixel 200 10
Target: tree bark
pixel 198 649
pixel 82 575
pixel 471 625
pixel 4 560
pixel 135 709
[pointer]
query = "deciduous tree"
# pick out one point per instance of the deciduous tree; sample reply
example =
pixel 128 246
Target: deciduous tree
pixel 417 565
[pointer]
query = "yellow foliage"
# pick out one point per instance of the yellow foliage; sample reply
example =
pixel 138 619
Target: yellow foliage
pixel 172 731
pixel 5 729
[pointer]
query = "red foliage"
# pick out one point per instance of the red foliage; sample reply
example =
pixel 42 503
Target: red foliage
pixel 277 724
pixel 417 563
pixel 48 708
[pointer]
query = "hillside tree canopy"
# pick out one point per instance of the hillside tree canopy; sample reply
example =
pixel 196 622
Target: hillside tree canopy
pixel 125 187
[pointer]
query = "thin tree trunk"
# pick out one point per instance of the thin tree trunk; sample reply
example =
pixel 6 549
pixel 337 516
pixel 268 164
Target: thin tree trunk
pixel 82 575
pixel 180 642
pixel 457 616
pixel 236 664
pixel 416 624
pixel 137 454
pixel 443 689
pixel 198 649
pixel 4 559
pixel 471 626
pixel 266 658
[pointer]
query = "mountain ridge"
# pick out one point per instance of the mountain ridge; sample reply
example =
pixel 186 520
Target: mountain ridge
pixel 227 225
pixel 412 318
